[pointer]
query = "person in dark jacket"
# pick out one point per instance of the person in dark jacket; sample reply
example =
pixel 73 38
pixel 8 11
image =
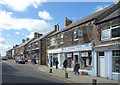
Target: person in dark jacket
pixel 65 64
pixel 76 68
pixel 56 62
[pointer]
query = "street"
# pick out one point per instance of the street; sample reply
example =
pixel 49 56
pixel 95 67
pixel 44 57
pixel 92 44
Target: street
pixel 23 73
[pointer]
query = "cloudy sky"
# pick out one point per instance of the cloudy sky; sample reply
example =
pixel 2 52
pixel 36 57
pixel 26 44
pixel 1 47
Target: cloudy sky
pixel 20 18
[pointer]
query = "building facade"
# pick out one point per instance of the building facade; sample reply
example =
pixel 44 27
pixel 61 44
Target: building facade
pixel 91 41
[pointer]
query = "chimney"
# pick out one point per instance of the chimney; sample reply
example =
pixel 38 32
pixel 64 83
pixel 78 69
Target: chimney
pixel 56 27
pixel 37 35
pixel 27 39
pixel 67 22
pixel 23 40
pixel 117 1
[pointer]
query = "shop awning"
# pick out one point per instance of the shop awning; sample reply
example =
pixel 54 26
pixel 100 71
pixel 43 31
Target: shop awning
pixel 114 46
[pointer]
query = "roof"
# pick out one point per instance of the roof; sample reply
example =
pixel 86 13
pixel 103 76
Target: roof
pixel 111 16
pixel 41 37
pixel 24 43
pixel 83 20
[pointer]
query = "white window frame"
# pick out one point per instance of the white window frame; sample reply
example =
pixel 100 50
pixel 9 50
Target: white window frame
pixel 75 32
pixel 52 41
pixel 61 39
pixel 110 37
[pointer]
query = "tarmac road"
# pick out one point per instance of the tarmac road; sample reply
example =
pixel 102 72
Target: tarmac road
pixel 21 73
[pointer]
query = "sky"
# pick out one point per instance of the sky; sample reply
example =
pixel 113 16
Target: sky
pixel 19 19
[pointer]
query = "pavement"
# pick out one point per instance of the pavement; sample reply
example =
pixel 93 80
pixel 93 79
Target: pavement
pixel 72 78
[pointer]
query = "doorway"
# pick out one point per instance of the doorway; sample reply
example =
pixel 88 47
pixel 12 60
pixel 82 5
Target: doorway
pixel 101 64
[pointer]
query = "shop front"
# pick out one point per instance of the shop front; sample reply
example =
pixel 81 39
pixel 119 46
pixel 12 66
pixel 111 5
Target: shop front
pixel 53 55
pixel 81 54
pixel 107 61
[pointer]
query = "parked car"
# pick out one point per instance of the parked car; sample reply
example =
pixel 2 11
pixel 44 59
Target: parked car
pixel 4 58
pixel 20 60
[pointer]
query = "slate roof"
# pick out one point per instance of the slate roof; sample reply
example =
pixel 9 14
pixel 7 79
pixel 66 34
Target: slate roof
pixel 41 37
pixel 111 16
pixel 83 20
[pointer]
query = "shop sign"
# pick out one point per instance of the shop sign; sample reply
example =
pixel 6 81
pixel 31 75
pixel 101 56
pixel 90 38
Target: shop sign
pixel 69 55
pixel 79 47
pixel 84 54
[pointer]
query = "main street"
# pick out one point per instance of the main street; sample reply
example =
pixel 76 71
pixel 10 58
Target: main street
pixel 23 73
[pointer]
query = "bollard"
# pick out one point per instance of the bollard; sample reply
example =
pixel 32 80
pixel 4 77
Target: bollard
pixel 66 75
pixel 50 70
pixel 94 82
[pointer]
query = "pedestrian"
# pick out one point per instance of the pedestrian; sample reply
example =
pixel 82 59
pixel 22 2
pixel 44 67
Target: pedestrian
pixel 26 60
pixel 76 68
pixel 33 61
pixel 56 62
pixel 65 64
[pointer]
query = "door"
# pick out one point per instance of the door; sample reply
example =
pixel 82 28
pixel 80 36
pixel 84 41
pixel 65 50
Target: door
pixel 101 64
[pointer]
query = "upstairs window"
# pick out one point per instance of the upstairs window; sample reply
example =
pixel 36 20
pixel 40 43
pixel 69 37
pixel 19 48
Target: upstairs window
pixel 52 41
pixel 75 34
pixel 111 32
pixel 36 44
pixel 61 39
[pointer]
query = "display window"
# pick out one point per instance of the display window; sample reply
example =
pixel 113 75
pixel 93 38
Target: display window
pixel 86 60
pixel 70 59
pixel 116 61
pixel 55 56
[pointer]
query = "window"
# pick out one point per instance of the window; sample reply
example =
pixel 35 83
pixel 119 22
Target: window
pixel 116 61
pixel 86 60
pixel 61 39
pixel 52 41
pixel 36 44
pixel 75 34
pixel 110 32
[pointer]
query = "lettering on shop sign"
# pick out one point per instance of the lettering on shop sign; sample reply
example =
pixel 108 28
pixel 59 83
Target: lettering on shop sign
pixel 77 47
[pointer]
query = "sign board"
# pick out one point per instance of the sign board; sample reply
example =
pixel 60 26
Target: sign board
pixel 69 55
pixel 84 54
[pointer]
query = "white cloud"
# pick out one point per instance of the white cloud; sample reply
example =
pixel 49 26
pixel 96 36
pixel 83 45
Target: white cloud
pixel 17 33
pixel 31 35
pixel 8 22
pixel 3 46
pixel 21 5
pixel 100 7
pixel 45 15
pixel 2 40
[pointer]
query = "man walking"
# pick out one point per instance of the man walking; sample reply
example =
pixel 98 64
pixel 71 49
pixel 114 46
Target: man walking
pixel 56 62
pixel 65 64
pixel 76 68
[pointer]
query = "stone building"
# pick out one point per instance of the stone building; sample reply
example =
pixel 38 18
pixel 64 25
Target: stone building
pixel 90 41
pixel 37 47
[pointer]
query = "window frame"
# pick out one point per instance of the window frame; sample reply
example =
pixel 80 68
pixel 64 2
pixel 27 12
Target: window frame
pixel 110 37
pixel 61 39
pixel 75 33
pixel 53 39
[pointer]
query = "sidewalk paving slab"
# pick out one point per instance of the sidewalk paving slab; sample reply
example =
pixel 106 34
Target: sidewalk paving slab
pixel 72 77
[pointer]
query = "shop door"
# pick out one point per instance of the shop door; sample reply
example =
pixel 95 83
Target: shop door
pixel 102 64
pixel 76 58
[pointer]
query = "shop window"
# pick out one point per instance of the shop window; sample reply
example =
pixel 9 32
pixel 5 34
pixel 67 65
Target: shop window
pixel 111 32
pixel 61 39
pixel 52 41
pixel 116 61
pixel 70 60
pixel 86 60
